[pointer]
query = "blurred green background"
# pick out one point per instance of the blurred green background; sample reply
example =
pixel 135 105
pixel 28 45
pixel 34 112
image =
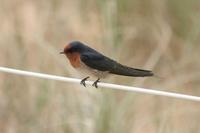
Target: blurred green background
pixel 160 35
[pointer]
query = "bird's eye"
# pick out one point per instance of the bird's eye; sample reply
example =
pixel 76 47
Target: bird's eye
pixel 69 51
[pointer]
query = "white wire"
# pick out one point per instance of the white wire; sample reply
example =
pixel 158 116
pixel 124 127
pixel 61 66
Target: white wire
pixel 106 85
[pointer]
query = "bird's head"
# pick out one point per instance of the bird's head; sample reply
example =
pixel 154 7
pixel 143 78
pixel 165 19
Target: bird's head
pixel 73 47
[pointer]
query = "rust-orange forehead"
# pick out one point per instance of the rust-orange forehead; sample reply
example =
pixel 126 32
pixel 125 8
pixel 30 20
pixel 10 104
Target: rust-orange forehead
pixel 68 46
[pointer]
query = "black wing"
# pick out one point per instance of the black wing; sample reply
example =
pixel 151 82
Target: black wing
pixel 97 61
pixel 100 62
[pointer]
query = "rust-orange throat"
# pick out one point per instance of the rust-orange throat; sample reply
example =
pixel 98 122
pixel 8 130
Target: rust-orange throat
pixel 74 57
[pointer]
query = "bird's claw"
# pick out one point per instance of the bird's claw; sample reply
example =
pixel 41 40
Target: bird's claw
pixel 83 81
pixel 95 83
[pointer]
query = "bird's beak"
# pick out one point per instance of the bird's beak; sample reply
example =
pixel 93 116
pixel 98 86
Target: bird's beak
pixel 62 52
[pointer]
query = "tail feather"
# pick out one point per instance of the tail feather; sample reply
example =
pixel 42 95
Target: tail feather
pixel 128 71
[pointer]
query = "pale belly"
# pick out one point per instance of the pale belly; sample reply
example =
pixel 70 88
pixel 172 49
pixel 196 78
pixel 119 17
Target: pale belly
pixel 91 72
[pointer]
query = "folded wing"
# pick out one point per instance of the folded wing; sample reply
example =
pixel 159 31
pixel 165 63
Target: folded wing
pixel 100 62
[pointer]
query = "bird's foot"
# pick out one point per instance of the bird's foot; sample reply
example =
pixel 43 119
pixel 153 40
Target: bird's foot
pixel 95 83
pixel 83 81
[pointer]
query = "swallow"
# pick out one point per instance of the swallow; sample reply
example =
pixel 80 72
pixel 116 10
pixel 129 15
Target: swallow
pixel 84 58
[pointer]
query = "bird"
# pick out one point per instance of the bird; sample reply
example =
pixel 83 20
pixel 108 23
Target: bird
pixel 87 59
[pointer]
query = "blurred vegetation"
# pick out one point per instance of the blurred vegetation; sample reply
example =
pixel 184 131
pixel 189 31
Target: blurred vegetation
pixel 160 35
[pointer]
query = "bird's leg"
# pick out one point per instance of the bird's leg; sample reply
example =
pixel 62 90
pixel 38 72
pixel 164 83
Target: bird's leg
pixel 83 81
pixel 95 83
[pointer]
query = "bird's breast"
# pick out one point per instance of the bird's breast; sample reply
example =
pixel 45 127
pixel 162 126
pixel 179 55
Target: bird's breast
pixel 74 59
pixel 76 62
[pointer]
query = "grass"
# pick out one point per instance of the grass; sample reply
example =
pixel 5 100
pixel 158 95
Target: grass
pixel 162 36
